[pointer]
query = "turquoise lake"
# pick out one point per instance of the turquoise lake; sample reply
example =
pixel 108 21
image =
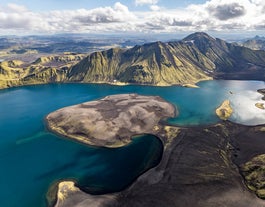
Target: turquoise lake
pixel 32 159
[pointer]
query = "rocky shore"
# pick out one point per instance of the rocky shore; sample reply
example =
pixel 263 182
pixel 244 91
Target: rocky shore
pixel 261 105
pixel 262 91
pixel 200 167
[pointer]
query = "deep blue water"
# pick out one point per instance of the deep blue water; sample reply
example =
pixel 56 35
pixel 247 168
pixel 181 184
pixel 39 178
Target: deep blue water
pixel 31 158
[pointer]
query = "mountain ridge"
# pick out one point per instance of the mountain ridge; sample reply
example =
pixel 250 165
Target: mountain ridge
pixel 256 43
pixel 195 58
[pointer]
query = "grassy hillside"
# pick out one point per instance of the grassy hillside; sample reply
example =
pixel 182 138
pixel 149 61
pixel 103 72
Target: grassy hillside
pixel 47 69
pixel 155 63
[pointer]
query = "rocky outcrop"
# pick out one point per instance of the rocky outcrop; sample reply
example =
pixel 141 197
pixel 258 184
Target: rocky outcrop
pixel 262 91
pixel 254 174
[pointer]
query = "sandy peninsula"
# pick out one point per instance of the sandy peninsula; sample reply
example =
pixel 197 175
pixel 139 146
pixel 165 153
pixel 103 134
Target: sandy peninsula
pixel 200 167
pixel 110 121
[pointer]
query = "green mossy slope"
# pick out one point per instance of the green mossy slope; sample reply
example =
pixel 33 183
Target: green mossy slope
pixel 195 58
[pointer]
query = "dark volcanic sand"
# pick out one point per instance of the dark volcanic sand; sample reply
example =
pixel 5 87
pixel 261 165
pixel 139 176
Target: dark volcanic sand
pixel 199 168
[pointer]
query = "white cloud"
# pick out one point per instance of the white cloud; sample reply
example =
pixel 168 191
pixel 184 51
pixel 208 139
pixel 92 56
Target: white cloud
pixel 227 11
pixel 155 8
pixel 216 15
pixel 16 8
pixel 119 13
pixel 143 2
pixel 228 14
pixel 16 17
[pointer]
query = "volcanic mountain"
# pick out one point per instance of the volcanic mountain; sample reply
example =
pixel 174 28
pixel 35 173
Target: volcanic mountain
pixel 197 57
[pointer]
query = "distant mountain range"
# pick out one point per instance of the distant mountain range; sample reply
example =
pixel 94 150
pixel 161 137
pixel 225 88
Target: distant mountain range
pixel 197 57
pixel 19 46
pixel 256 43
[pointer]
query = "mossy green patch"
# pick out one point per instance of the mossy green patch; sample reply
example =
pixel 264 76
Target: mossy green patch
pixel 254 174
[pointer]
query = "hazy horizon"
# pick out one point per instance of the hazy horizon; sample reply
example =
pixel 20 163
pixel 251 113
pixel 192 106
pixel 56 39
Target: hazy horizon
pixel 236 36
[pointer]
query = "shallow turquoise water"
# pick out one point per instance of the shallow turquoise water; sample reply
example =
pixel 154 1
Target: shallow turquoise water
pixel 31 158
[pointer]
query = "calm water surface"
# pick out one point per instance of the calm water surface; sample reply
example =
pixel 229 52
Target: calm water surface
pixel 31 158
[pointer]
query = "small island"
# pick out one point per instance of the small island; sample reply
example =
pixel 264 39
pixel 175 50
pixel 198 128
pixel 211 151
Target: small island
pixel 224 111
pixel 260 105
pixel 111 121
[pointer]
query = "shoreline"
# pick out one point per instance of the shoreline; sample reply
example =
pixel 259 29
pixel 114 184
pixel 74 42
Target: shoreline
pixel 58 189
pixel 155 105
pixel 225 132
pixel 262 92
pixel 17 84
pixel 153 176
pixel 188 85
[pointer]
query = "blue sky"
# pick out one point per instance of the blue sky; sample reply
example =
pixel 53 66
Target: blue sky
pixel 131 16
pixel 46 5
